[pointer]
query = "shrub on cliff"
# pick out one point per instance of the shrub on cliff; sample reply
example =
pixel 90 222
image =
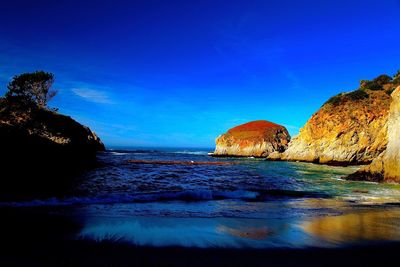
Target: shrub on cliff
pixel 357 95
pixel 377 83
pixel 396 78
pixel 382 79
pixel 352 96
pixel 334 100
pixel 32 88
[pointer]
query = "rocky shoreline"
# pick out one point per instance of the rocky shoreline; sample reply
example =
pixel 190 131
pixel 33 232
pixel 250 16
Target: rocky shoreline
pixel 349 129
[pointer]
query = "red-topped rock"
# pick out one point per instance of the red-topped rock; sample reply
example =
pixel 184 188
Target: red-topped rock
pixel 253 139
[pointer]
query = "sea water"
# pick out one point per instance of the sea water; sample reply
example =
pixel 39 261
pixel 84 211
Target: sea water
pixel 249 203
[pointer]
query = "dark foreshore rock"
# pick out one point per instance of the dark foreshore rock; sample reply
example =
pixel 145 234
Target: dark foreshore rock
pixel 38 144
pixel 349 129
pixel 386 167
pixel 252 139
pixel 188 163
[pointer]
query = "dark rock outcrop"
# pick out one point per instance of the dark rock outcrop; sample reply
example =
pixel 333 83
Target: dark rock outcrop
pixel 41 145
pixel 32 131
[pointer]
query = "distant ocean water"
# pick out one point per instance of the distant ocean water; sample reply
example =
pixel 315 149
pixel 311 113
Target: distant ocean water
pixel 253 202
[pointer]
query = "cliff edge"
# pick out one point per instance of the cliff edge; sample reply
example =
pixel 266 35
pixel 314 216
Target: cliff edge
pixel 34 136
pixel 350 128
pixel 386 167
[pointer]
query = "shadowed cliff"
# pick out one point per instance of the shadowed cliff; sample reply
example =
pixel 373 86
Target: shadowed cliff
pixel 40 148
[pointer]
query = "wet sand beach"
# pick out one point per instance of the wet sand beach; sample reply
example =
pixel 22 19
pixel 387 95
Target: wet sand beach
pixel 53 237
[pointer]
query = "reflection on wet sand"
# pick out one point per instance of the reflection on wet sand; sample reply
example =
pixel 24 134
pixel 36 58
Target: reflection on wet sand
pixel 318 203
pixel 247 232
pixel 359 226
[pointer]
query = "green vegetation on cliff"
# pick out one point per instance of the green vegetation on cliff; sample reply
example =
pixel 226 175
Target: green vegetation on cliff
pixel 376 84
pixel 381 83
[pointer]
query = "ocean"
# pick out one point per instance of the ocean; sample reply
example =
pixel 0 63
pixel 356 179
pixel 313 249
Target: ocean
pixel 251 203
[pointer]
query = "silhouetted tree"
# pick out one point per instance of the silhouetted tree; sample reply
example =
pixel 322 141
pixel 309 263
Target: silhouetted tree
pixel 32 87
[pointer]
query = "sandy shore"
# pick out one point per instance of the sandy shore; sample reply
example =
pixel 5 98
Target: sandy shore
pixel 44 239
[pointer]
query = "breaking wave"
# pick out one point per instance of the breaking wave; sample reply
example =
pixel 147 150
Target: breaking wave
pixel 190 195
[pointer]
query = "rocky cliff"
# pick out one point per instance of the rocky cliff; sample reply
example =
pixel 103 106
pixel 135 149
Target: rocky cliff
pixel 42 152
pixel 29 134
pixel 386 167
pixel 256 139
pixel 350 128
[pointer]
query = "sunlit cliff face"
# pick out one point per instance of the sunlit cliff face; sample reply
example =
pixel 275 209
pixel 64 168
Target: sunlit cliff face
pixel 349 131
pixel 386 167
pixel 392 156
pixel 255 138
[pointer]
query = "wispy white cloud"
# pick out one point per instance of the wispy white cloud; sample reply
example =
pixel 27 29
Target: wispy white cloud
pixel 92 95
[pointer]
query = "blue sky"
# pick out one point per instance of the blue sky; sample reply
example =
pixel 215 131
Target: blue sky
pixel 179 73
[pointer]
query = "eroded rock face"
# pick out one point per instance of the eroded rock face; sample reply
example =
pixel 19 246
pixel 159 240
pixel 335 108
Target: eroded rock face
pixel 392 155
pixel 386 167
pixel 348 129
pixel 252 139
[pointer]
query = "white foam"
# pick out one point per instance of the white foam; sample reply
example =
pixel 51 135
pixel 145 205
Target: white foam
pixel 192 152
